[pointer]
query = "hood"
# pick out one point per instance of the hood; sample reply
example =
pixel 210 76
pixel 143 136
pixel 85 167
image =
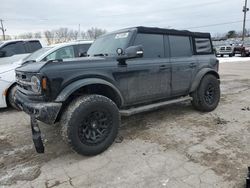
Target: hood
pixel 9 67
pixel 34 67
pixel 31 66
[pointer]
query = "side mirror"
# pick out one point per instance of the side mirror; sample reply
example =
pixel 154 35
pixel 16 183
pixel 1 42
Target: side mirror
pixel 2 53
pixel 130 53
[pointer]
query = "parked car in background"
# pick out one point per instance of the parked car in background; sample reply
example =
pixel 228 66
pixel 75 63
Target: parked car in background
pixel 14 50
pixel 225 50
pixel 58 51
pixel 243 50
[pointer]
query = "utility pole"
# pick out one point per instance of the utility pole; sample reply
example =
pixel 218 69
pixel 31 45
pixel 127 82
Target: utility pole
pixel 79 32
pixel 245 9
pixel 2 28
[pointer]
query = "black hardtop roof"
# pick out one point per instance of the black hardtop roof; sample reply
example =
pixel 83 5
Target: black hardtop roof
pixel 157 30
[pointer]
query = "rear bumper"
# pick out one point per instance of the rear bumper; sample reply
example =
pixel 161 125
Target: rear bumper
pixel 43 111
pixel 224 53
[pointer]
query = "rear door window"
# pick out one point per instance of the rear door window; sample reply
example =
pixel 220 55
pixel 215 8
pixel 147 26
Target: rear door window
pixel 82 49
pixel 180 46
pixel 203 46
pixel 14 48
pixel 153 46
pixel 33 46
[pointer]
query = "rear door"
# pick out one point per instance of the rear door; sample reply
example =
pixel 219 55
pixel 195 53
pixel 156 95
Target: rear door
pixel 32 46
pixel 148 78
pixel 183 64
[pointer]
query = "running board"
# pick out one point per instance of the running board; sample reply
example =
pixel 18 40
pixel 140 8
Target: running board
pixel 151 107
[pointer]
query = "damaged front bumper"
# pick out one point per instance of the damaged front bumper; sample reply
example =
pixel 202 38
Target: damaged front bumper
pixel 46 112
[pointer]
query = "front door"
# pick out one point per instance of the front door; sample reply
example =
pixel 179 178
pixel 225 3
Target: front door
pixel 149 78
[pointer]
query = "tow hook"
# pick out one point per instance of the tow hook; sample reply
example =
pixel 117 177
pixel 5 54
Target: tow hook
pixel 248 178
pixel 36 135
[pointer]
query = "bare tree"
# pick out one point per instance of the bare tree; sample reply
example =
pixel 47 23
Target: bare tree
pixel 72 35
pixel 37 35
pixel 83 35
pixel 49 36
pixel 94 32
pixel 25 36
pixel 7 37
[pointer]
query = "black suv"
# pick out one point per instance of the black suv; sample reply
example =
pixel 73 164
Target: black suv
pixel 126 72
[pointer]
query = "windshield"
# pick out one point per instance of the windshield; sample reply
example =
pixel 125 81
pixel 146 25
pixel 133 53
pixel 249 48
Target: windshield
pixel 37 54
pixel 108 44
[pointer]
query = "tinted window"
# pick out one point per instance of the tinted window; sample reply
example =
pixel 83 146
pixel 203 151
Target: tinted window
pixel 152 45
pixel 13 48
pixel 82 49
pixel 107 44
pixel 180 46
pixel 203 45
pixel 62 53
pixel 33 46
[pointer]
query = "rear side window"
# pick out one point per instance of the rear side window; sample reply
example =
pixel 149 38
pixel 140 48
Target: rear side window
pixel 180 46
pixel 203 46
pixel 82 49
pixel 13 48
pixel 153 46
pixel 62 53
pixel 33 46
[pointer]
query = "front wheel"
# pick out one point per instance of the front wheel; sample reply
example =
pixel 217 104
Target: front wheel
pixel 90 124
pixel 207 96
pixel 10 97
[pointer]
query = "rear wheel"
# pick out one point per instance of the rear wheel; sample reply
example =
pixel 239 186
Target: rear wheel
pixel 90 124
pixel 243 54
pixel 207 95
pixel 10 97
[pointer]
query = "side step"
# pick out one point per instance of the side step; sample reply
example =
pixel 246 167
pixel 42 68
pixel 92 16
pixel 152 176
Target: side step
pixel 151 107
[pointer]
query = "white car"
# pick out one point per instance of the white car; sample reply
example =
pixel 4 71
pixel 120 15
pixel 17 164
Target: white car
pixel 14 50
pixel 58 51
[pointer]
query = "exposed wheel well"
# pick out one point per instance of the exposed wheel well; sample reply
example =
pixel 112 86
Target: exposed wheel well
pixel 7 93
pixel 213 73
pixel 99 89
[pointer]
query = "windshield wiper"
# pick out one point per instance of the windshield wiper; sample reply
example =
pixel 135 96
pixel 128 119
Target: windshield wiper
pixel 28 61
pixel 100 54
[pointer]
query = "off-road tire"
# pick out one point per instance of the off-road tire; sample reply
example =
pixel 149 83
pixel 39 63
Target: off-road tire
pixel 10 97
pixel 200 98
pixel 77 115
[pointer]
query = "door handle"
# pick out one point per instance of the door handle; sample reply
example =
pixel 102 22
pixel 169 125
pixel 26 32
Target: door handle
pixel 192 65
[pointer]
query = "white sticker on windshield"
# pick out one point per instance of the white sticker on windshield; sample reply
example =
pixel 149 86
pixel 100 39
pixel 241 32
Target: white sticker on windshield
pixel 121 35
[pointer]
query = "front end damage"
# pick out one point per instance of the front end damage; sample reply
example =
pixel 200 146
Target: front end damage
pixel 46 112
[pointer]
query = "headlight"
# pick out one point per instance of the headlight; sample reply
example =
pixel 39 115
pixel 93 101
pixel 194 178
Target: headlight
pixel 35 84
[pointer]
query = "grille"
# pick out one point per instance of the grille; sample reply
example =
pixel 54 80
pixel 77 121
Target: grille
pixel 23 80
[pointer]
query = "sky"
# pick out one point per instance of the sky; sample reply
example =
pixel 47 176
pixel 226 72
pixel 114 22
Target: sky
pixel 22 16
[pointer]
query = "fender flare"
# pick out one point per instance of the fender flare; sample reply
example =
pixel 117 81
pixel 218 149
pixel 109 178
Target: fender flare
pixel 200 75
pixel 71 88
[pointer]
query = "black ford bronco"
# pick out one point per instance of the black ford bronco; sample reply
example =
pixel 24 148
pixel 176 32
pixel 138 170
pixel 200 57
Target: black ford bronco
pixel 125 72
